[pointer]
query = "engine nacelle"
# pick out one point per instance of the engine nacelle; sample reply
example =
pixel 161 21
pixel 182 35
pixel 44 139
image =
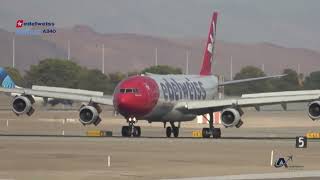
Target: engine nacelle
pixel 89 114
pixel 314 110
pixel 231 117
pixel 23 105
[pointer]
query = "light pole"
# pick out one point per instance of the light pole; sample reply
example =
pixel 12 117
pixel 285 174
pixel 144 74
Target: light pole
pixel 187 63
pixel 231 75
pixel 102 58
pixel 156 56
pixel 68 49
pixel 13 51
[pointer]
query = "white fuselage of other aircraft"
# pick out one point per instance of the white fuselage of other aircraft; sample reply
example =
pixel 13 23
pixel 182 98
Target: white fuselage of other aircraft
pixel 176 88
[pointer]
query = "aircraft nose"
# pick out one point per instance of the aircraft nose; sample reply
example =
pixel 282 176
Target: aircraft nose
pixel 122 101
pixel 136 96
pixel 130 105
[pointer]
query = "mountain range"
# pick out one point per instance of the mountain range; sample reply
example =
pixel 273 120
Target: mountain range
pixel 132 52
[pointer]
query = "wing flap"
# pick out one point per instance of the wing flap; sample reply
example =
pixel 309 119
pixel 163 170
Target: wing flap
pixel 67 90
pixel 282 93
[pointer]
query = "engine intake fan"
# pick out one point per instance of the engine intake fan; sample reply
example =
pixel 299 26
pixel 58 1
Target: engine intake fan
pixel 314 110
pixel 23 105
pixel 90 114
pixel 231 117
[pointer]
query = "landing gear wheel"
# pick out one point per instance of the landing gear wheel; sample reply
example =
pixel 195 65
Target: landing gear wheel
pixel 216 133
pixel 175 131
pixel 206 133
pixel 136 131
pixel 123 131
pixel 168 132
pixel 126 132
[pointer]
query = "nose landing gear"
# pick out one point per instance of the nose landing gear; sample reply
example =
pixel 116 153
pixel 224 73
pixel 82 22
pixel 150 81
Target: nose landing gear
pixel 131 130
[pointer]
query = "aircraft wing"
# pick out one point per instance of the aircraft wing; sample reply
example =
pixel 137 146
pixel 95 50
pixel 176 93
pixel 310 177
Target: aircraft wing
pixel 60 95
pixel 252 100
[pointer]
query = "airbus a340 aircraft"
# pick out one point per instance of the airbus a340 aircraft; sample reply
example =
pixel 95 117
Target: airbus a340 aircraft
pixel 167 98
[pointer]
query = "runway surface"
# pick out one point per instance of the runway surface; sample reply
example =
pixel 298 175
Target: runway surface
pixel 144 158
pixel 45 154
pixel 256 124
pixel 299 175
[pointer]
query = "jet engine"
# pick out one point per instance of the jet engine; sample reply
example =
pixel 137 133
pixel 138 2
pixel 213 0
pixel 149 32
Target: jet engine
pixel 231 117
pixel 89 114
pixel 314 110
pixel 23 105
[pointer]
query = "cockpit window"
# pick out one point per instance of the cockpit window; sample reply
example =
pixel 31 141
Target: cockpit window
pixel 129 90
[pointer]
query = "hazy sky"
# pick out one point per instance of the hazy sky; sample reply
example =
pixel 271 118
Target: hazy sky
pixel 291 23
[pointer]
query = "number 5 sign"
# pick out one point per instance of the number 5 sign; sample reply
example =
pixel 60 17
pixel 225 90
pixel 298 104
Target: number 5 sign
pixel 301 142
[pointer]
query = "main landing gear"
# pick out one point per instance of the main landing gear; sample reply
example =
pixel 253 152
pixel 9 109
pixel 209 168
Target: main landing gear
pixel 172 130
pixel 207 132
pixel 131 130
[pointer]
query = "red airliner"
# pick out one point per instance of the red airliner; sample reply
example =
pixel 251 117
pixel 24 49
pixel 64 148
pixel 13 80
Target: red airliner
pixel 165 98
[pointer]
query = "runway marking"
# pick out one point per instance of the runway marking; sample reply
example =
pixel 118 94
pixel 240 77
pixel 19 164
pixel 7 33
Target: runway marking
pixel 296 174
pixel 148 137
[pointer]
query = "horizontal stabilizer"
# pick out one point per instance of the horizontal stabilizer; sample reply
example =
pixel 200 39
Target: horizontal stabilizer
pixel 250 79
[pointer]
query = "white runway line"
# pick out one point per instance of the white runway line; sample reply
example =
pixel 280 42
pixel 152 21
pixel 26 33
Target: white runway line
pixel 109 162
pixel 271 158
pixel 297 174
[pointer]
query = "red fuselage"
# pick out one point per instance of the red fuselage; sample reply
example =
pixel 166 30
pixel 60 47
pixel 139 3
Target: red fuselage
pixel 136 96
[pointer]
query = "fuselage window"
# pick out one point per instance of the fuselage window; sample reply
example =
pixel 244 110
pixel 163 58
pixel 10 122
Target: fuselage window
pixel 122 90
